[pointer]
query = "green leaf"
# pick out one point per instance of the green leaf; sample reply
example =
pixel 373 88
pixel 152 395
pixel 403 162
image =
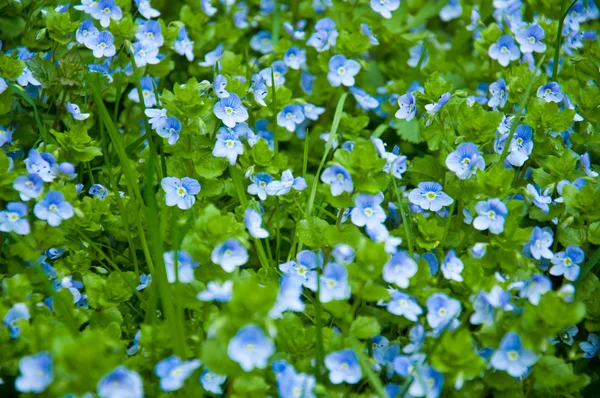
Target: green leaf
pixel 310 232
pixel 554 376
pixel 365 327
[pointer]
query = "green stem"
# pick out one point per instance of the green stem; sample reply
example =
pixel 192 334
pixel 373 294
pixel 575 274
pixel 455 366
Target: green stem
pixel 405 220
pixel 561 22
pixel 587 268
pixel 36 114
pixel 274 117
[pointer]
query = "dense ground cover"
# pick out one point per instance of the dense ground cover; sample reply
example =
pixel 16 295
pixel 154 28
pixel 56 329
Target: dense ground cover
pixel 299 199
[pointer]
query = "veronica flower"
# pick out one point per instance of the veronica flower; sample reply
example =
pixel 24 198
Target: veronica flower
pixel 102 45
pixel 498 93
pixel 208 8
pixel 147 92
pixel 98 191
pixel 218 292
pixel 36 373
pixel 74 110
pixel 530 39
pixel 146 10
pixel 121 382
pixel 145 54
pixel 504 50
pixel 550 92
pixel 451 11
pixel 29 187
pixel 295 58
pixel 520 147
pixel 212 57
pixel 105 11
pixel 53 208
pixel 416 54
pixel 365 101
pixel 312 112
pixel 591 347
pixel 230 110
pixel 491 215
pixel 86 31
pixel 44 165
pixel 173 372
pixel 343 367
pixel 149 33
pixel 262 42
pixel 512 357
pixel 181 193
pixel 286 184
pixel 429 383
pixel 290 116
pixel 343 253
pixel 260 181
pixel 325 35
pixel 587 165
pixel 253 221
pixel 485 303
pixel 429 196
pixel 442 312
pixel 306 261
pixel 212 382
pixel 404 305
pixel 342 71
pixel 250 348
pixel 385 7
pixel 297 32
pixel 433 108
pixel 306 82
pixel 539 244
pixel 452 266
pixel 465 160
pixel 399 269
pixel 14 219
pixel 338 178
pixel 144 281
pixel 87 6
pixel 567 263
pixel 533 289
pixel 368 210
pixel 229 255
pixel 291 384
pixel 541 200
pixel 408 107
pixel 183 45
pixel 228 146
pixel 15 313
pixel 185 267
pixel 333 282
pixel 416 336
pixel 289 297
pixel 366 30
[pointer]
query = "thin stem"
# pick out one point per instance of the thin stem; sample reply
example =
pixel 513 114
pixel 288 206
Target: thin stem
pixel 405 220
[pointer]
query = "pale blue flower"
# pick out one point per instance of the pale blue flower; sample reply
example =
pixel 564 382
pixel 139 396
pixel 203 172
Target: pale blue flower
pixel 259 89
pixel 27 78
pixel 287 182
pixel 253 220
pixel 533 289
pixel 228 146
pixel 230 110
pixel 145 280
pixel 219 86
pixel 416 336
pixel 15 313
pixel 291 384
pixel 250 348
pixel 530 39
pixel 183 45
pixel 145 54
pixel 135 347
pixel 260 181
pixel 491 215
pixel 366 30
pixel 306 261
pixel 399 269
pixel 334 283
pixel 539 244
pixel 14 219
pixel 86 31
pixel 342 71
pixel 541 200
pixel 173 372
pixel 262 42
pixel 212 57
pixel 120 383
pixel 512 357
pixel 185 266
pixel 591 347
pixel 169 129
pixel 147 92
pixel 306 82
pixel 343 253
pixel 520 147
pixel 504 50
pixel 180 192
pixel 587 165
pixel 289 297
pixel 296 32
pixel 451 11
pixel 229 255
pixel 208 8
pixel 429 196
pixel 452 266
pixel 325 35
pixel 368 210
pixel 408 107
pixel 149 33
pixel 465 160
pixel 433 108
pixel 385 7
pixel 220 292
pixel 146 10
pixel 550 92
pixel 428 383
pixel 498 93
pixel 212 382
pixel 42 164
pixel 36 373
pixel 290 116
pixel 416 53
pixel 343 367
pixel 404 305
pixel 53 208
pixel 312 112
pixel 338 178
pixel 442 312
pixel 98 191
pixel 567 263
pixel 295 58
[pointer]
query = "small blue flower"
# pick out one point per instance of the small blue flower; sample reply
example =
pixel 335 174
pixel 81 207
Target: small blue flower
pixel 534 289
pixel 451 11
pixel 465 160
pixel 541 200
pixel 433 108
pixel 364 100
pixel 250 348
pixel 208 8
pixel 121 382
pixel 343 367
pixel 260 181
pixel 498 93
pixel 295 58
pixel 416 335
pixel 305 262
pixel 512 357
pixel 289 297
pixel 379 233
pixel 428 384
pixel 366 30
pixel 145 54
pixel 429 196
pixel 180 192
pixel 86 31
pixel 230 110
pixel 567 263
pixel 342 71
pixel 135 347
pixel 530 39
pixel 325 35
pixel 147 92
pixel 385 7
pixel 297 32
pixel 219 86
pixel 144 281
pixel 416 52
pixel 228 146
pixel 102 45
pixel 286 184
pixel 149 33
pixel 452 266
pixel 368 210
pixel 306 82
pixel 399 269
pixel 169 128
pixel 408 107
pixel 567 335
pixel 404 305
pixel 520 147
pixel 334 283
pixel 53 208
pixel 591 347
pixel 183 45
pixel 16 312
pixel 105 11
pixel 253 220
pixel 27 78
pixel 146 10
pixel 36 373
pixel 54 253
pixel 212 57
pixel 98 191
pixel 259 89
pixel 212 382
pixel 550 92
pixel 229 255
pixel 587 165
pixel 343 253
pixel 218 292
pixel 14 219
pixel 291 384
pixel 262 42
pixel 74 110
pixel 491 215
pixel 485 303
pixel 290 116
pixel 442 312
pixel 173 372
pixel 504 50
pixel 312 112
pixel 539 244
pixel 185 266
pixel 42 164
pixel 338 178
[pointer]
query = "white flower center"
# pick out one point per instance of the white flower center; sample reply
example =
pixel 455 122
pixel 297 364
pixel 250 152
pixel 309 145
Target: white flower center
pixel 341 71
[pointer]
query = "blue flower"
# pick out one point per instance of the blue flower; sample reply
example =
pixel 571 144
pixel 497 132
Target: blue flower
pixel 36 373
pixel 442 312
pixel 520 147
pixel 181 193
pixel 541 200
pixel 306 82
pixel 16 312
pixel 53 208
pixel 217 292
pixel 149 34
pixel 399 269
pixel 169 128
pixel 147 92
pixel 334 283
pixel 368 210
pixel 550 92
pixel 287 182
pixel 485 303
pixel 253 221
pixel 325 35
pixel 259 89
pixel 185 266
pixel 416 335
pixel 385 7
pixel 297 32
pixel 365 101
pixel 343 367
pixel 530 39
pixel 14 219
pixel 119 383
pixel 416 52
pixel 230 110
pixel 229 255
pixel 208 8
pixel 295 58
pixel 228 146
pixel 291 384
pixel 465 160
pixel 54 253
pixel 539 244
pixel 85 32
pixel 452 266
pixel 27 78
pixel 144 281
pixel 219 86
pixel 146 10
pixel 262 42
pixel 43 165
pixel 404 305
pixel 512 357
pixel 504 50
pixel 289 297
pixel 212 57
pixel 145 54
pixel 534 289
pixel 173 372
pixel 591 347
pixel 183 45
pixel 499 94
pixel 290 116
pixel 305 262
pixel 343 253
pixel 427 383
pixel 74 110
pixel 342 71
pixel 451 11
pixel 408 107
pixel 105 11
pixel 250 348
pixel 429 196
pixel 567 335
pixel 587 165
pixel 260 181
pixel 567 263
pixel 433 108
pixel 212 382
pixel 135 347
pixel 491 215
pixel 338 178
pixel 379 233
pixel 366 30
pixel 102 45
pixel 312 112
